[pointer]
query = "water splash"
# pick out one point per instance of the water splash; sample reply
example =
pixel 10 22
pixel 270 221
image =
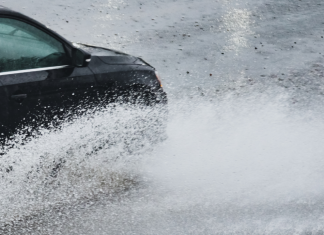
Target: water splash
pixel 240 161
pixel 92 155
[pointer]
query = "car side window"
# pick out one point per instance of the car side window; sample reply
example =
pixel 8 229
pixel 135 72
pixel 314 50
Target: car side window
pixel 23 46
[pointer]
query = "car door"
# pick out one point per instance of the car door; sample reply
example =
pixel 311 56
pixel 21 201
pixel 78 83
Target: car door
pixel 37 79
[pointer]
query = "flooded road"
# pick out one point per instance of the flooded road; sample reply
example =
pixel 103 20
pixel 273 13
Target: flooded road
pixel 243 150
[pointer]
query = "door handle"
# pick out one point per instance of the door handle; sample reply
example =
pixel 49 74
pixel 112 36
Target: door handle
pixel 19 97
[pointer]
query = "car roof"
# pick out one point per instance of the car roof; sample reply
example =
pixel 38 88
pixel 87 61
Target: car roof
pixel 5 10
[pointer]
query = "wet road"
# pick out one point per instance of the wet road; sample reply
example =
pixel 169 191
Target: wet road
pixel 244 152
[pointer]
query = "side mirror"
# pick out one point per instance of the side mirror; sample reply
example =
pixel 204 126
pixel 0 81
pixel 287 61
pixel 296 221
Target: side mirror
pixel 80 58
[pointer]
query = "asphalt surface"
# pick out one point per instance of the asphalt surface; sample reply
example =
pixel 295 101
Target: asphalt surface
pixel 243 153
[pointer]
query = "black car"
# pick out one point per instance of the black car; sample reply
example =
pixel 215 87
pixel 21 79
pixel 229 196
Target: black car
pixel 44 76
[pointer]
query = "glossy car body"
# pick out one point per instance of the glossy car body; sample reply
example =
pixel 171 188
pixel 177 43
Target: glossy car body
pixel 44 76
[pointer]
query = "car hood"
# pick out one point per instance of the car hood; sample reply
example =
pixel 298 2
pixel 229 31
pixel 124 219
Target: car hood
pixel 109 56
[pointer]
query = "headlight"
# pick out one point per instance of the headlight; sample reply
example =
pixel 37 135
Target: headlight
pixel 158 78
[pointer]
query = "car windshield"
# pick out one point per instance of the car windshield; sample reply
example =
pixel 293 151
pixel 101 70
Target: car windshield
pixel 24 46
